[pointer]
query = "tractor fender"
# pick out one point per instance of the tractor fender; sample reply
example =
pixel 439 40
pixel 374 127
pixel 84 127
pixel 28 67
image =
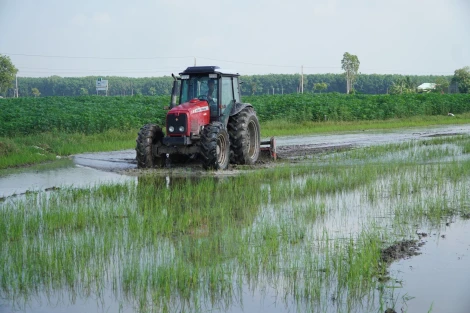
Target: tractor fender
pixel 237 107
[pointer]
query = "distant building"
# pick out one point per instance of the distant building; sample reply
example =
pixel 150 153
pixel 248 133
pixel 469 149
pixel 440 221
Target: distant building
pixel 426 87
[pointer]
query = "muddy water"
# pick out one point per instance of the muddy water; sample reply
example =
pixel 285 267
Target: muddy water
pixel 265 301
pixel 373 137
pixel 438 278
pixel 36 179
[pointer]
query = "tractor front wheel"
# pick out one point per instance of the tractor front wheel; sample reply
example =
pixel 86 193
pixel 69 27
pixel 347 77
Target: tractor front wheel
pixel 148 136
pixel 215 147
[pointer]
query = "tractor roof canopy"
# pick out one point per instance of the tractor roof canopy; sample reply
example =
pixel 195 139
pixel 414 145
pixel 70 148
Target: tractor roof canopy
pixel 209 70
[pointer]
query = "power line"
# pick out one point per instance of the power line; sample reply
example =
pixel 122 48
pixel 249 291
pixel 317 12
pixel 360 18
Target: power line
pixel 389 71
pixel 96 58
pixel 159 57
pixel 33 70
pixel 79 69
pixel 247 63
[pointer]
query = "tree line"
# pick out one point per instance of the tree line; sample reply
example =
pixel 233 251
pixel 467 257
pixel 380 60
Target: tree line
pixel 351 81
pixel 251 85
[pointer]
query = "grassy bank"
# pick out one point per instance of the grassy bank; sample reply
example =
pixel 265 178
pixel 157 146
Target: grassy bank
pixel 286 128
pixel 32 149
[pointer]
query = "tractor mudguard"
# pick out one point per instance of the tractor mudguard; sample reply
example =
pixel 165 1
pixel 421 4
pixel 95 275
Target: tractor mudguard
pixel 237 107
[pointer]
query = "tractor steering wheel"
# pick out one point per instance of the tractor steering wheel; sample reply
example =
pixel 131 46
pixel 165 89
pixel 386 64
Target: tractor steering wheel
pixel 212 101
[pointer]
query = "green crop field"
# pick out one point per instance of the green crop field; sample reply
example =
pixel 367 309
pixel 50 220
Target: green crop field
pixel 94 114
pixel 342 107
pixel 87 115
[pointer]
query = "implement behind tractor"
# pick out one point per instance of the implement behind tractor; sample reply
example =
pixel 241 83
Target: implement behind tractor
pixel 210 122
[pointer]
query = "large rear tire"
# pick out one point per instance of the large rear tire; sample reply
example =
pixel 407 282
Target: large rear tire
pixel 245 137
pixel 215 147
pixel 148 136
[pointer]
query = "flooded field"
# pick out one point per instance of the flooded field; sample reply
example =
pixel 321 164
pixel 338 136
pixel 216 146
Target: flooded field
pixel 361 227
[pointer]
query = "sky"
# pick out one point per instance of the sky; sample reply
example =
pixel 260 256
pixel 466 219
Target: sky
pixel 148 38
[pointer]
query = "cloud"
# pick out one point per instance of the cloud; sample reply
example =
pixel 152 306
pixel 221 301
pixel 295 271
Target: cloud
pixel 101 18
pixel 97 18
pixel 325 9
pixel 79 19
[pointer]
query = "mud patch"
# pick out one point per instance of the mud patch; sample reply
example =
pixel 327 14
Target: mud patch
pixel 300 151
pixel 401 250
pixel 465 216
pixel 441 135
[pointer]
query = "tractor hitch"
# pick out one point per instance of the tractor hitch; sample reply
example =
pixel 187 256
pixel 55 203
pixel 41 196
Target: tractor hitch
pixel 268 148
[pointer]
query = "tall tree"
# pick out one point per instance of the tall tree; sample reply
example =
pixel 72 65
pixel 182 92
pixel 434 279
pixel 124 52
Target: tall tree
pixel 35 92
pixel 403 85
pixel 320 87
pixel 83 91
pixel 462 78
pixel 350 65
pixel 7 73
pixel 442 84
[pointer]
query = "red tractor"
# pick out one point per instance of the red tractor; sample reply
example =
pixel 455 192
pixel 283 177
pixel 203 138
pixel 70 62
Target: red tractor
pixel 209 122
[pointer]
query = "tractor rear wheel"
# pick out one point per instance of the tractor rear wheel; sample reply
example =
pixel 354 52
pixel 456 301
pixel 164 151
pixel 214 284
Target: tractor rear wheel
pixel 148 136
pixel 245 136
pixel 215 147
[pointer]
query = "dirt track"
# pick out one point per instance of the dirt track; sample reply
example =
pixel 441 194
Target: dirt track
pixel 293 147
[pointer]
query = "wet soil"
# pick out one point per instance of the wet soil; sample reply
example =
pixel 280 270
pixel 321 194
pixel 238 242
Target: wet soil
pixel 401 250
pixel 299 151
pixel 289 148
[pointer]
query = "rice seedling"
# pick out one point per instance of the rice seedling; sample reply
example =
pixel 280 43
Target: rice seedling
pixel 312 234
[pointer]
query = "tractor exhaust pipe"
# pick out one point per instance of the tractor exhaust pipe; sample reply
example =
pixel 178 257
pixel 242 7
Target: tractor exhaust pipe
pixel 174 92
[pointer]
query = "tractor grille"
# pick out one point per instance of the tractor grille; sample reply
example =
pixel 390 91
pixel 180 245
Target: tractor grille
pixel 176 121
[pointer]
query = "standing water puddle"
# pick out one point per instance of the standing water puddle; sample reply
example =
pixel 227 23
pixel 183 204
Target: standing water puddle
pixel 32 179
pixel 437 280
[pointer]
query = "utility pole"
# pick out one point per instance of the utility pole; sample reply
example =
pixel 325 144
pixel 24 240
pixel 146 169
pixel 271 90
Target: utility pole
pixel 302 79
pixel 194 61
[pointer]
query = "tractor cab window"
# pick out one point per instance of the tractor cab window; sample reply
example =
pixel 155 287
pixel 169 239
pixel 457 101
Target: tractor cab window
pixel 200 87
pixel 227 95
pixel 236 89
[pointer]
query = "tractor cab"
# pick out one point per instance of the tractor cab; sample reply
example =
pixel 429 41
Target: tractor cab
pixel 219 88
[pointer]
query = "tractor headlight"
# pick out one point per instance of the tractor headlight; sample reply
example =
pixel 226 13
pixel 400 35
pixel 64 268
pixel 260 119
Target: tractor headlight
pixel 181 129
pixel 171 129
